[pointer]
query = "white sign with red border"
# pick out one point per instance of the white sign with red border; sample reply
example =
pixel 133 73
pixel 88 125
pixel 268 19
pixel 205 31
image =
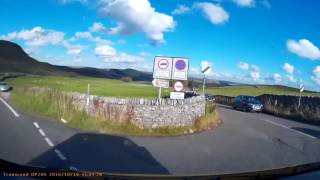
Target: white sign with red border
pixel 160 83
pixel 162 67
pixel 176 95
pixel 178 86
pixel 180 68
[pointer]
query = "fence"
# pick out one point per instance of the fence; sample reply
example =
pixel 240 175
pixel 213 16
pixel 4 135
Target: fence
pixel 285 106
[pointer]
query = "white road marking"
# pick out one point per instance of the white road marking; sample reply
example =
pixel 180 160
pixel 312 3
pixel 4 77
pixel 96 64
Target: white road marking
pixel 49 141
pixel 60 155
pixel 286 127
pixel 36 125
pixel 64 121
pixel 41 132
pixel 73 168
pixel 9 107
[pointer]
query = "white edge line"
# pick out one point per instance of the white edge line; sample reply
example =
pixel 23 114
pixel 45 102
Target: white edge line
pixel 41 132
pixel 64 121
pixel 49 141
pixel 283 126
pixel 11 109
pixel 60 155
pixel 36 124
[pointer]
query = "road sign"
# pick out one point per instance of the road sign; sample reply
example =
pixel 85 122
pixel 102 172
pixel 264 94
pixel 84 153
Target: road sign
pixel 162 67
pixel 180 68
pixel 178 86
pixel 160 83
pixel 301 87
pixel 205 67
pixel 176 95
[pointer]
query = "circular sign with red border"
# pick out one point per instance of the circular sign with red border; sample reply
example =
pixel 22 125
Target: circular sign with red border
pixel 180 65
pixel 178 86
pixel 163 64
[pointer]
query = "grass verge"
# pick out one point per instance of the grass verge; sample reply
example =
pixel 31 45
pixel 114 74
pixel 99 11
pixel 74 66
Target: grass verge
pixel 56 105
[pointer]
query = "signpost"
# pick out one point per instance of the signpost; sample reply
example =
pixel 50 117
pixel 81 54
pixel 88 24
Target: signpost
pixel 162 67
pixel 161 83
pixel 301 89
pixel 180 68
pixel 176 95
pixel 205 69
pixel 178 86
pixel 170 68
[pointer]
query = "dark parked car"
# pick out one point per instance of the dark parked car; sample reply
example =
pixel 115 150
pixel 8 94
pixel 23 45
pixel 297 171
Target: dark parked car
pixel 210 98
pixel 4 87
pixel 248 103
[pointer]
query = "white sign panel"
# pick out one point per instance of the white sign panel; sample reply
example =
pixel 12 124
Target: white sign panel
pixel 178 86
pixel 162 67
pixel 160 83
pixel 205 67
pixel 180 68
pixel 176 95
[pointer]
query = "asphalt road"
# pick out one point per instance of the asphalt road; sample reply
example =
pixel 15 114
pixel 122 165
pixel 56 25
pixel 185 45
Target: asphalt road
pixel 244 142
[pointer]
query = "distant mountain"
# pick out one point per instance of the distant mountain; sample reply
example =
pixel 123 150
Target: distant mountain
pixel 108 73
pixel 14 59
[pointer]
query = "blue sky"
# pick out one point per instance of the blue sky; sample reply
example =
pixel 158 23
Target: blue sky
pixel 251 41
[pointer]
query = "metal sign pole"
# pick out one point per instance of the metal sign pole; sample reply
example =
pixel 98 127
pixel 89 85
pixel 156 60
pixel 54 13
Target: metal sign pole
pixel 299 99
pixel 204 82
pixel 159 92
pixel 88 97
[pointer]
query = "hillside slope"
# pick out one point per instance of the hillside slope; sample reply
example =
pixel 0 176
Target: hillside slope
pixel 14 59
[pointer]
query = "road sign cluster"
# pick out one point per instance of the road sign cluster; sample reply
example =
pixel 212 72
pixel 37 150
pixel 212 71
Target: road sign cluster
pixel 171 68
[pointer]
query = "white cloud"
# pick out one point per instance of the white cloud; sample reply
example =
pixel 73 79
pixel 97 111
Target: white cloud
pixel 105 51
pixel 74 50
pixel 274 78
pixel 246 66
pixel 214 12
pixel 133 17
pixel 277 77
pixel 87 35
pixel 243 65
pixel 255 76
pixel 245 3
pixel 37 36
pixel 288 68
pixel 255 68
pixel 304 48
pixel 316 75
pixel 181 9
pixel 291 78
pixel 109 54
pixel 98 27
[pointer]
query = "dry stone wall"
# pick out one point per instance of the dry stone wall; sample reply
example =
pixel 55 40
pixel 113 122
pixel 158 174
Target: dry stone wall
pixel 145 113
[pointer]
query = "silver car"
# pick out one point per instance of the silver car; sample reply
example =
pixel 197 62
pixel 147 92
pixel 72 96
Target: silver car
pixel 4 87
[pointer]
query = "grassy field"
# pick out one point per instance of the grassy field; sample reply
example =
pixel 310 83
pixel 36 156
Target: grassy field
pixel 257 90
pixel 102 87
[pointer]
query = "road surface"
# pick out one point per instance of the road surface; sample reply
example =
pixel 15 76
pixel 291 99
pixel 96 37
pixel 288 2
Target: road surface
pixel 244 142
